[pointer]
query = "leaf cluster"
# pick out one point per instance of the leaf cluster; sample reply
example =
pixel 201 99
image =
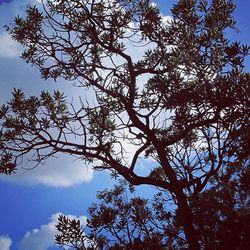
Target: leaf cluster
pixel 122 220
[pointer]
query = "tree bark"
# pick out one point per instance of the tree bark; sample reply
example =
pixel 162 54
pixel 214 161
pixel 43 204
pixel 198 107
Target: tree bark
pixel 187 221
pixel 182 204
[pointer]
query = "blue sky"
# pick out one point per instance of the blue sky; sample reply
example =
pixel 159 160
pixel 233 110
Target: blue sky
pixel 31 200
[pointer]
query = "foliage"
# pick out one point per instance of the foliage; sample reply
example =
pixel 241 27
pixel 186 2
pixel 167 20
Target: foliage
pixel 222 212
pixel 124 221
pixel 72 234
pixel 183 102
pixel 130 222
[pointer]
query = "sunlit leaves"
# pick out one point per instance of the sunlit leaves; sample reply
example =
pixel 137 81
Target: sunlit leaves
pixel 22 119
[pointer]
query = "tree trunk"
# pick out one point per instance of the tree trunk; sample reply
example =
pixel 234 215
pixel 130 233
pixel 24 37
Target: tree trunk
pixel 187 221
pixel 182 204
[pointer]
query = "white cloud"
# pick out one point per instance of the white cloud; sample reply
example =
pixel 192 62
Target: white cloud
pixel 8 47
pixel 44 237
pixel 153 4
pixel 64 173
pixel 61 172
pixel 5 242
pixel 167 20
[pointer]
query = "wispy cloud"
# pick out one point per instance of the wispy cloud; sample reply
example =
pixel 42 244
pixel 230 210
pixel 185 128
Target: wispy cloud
pixel 5 242
pixel 44 237
pixel 61 172
pixel 8 47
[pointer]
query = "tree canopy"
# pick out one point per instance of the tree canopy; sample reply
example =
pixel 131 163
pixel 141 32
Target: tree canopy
pixel 122 220
pixel 183 103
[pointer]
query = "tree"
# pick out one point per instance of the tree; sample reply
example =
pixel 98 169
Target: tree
pixel 183 103
pixel 124 221
pixel 221 212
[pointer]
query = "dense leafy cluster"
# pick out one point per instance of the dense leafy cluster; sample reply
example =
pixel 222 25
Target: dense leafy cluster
pixel 123 221
pixel 130 222
pixel 26 124
pixel 182 101
pixel 71 233
pixel 221 213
